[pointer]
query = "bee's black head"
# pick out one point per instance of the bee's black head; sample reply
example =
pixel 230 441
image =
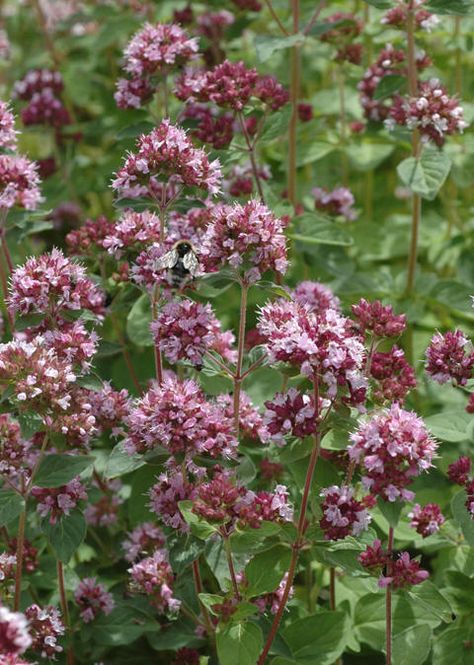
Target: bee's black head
pixel 183 248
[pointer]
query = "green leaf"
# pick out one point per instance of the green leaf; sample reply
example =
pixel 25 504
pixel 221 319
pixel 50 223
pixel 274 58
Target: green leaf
pixel 183 550
pixel 139 321
pixel 320 638
pixel 199 527
pixel 449 426
pixel 11 505
pixel 390 510
pixel 454 646
pixel 239 644
pixel 313 151
pixel 57 470
pixel 431 599
pixel 120 462
pixel 425 176
pixel 66 535
pixel 380 4
pixel 462 517
pixel 131 131
pixel 277 126
pixel 456 296
pixel 313 229
pixel 30 423
pixel 173 636
pixel 122 626
pixel 455 7
pixel 412 646
pixel 367 156
pixel 389 85
pixel 266 46
pixel 265 571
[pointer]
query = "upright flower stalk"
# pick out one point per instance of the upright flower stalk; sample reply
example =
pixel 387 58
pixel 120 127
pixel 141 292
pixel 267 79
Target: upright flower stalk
pixel 238 377
pixel 295 69
pixel 388 600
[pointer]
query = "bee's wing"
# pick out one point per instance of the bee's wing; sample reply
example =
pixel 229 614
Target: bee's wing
pixel 167 261
pixel 191 263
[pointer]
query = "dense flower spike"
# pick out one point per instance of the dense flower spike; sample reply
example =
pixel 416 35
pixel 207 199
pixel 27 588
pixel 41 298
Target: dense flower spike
pixel 374 557
pixel 212 127
pixel 434 113
pixel 71 342
pixel 338 202
pixel 343 515
pixel 271 601
pixel 89 238
pixel 133 93
pixel 177 416
pixel 14 636
pixel 155 49
pixel 7 568
pixel 397 17
pixel 291 413
pixel 247 237
pixel 45 626
pixel 93 599
pixel 470 498
pixel 251 422
pixel 45 109
pixel 51 283
pixel 394 376
pixel 109 408
pixel 324 346
pixel 316 296
pixel 8 135
pixel 460 470
pixel 19 183
pixel 153 576
pixel 450 357
pixel 426 520
pixel 104 511
pixel 37 80
pixel 30 554
pixel 392 448
pixel 378 319
pixel 171 488
pixel 13 448
pixel 240 181
pixel 166 153
pixel 59 501
pixel 405 573
pixel 143 540
pixel 133 232
pixel 185 330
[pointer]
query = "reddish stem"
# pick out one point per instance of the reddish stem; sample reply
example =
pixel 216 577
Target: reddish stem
pixel 388 600
pixel 240 356
pixel 20 541
pixel 65 610
pixel 230 563
pixel 294 96
pixel 251 151
pixel 199 589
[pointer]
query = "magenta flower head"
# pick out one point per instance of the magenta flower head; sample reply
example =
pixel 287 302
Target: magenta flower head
pixel 394 377
pixel 185 330
pixel 51 283
pixel 450 357
pixel 155 49
pixel 19 183
pixel 171 488
pixel 342 514
pixel 177 416
pixel 470 498
pixel 378 319
pixel 321 346
pixel 212 127
pixel 405 572
pixel 426 520
pixel 433 112
pixel 37 80
pixel 397 17
pixel 13 448
pixel 45 626
pixel 316 296
pixel 392 448
pixel 460 470
pixel 247 237
pixel 339 202
pixel 374 557
pixel 59 501
pixel 92 599
pixel 14 635
pixel 7 569
pixel 8 133
pixel 133 93
pixel 288 414
pixel 133 232
pixel 166 154
pixel 143 540
pixel 154 577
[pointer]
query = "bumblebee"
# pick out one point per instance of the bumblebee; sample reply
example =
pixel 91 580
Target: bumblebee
pixel 181 262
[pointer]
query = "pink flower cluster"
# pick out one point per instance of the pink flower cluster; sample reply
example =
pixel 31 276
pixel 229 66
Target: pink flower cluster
pixel 177 416
pixel 13 448
pixel 37 80
pixel 450 357
pixel 339 202
pixel 427 519
pixel 343 515
pixel 8 134
pixel 88 239
pixel 231 85
pixel 109 408
pixel 171 488
pixel 390 62
pixel 51 283
pixel 133 232
pixel 59 501
pixel 14 636
pixel 405 572
pixel 45 626
pixel 247 237
pixel 144 539
pixel 460 472
pixel 154 577
pixel 394 376
pixel 378 319
pixel 92 599
pixel 166 153
pixel 7 569
pixel 71 342
pixel 397 17
pixel 42 89
pixel 316 297
pixel 209 126
pixel 288 414
pixel 321 346
pixel 433 112
pixel 104 511
pixel 185 330
pixel 240 180
pixel 251 422
pixel 392 448
pixel 19 183
pixel 271 601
